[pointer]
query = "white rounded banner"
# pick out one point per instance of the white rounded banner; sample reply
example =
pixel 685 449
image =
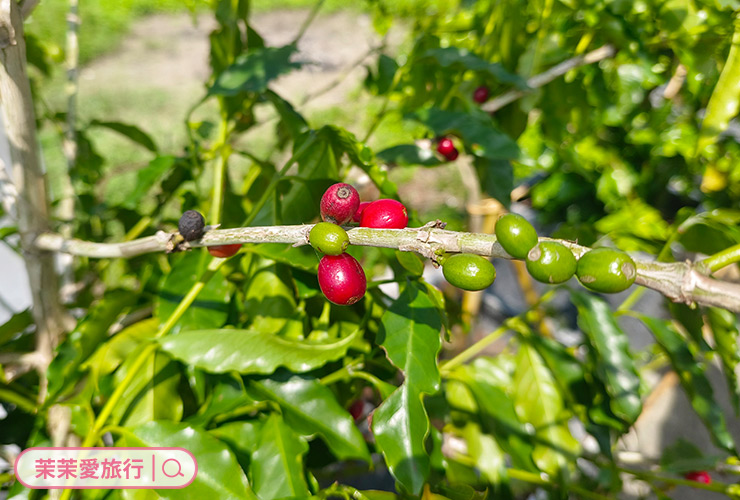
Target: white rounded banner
pixel 105 468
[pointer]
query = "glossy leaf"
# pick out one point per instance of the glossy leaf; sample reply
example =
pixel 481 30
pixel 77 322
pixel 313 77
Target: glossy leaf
pixel 303 257
pixel 209 309
pixel 410 336
pixel 249 351
pixel 253 71
pixel 727 337
pixel 691 372
pixel 91 331
pixel 277 462
pixel 219 475
pixel 310 408
pixel 538 402
pixel 242 436
pixel 226 395
pixel 152 395
pixel 131 131
pixel 614 362
pixel 725 100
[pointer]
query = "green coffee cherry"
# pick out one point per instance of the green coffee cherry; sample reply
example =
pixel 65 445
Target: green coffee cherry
pixel 328 238
pixel 516 235
pixel 606 270
pixel 550 262
pixel 469 272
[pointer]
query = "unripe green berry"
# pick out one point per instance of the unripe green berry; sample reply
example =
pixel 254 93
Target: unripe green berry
pixel 328 238
pixel 606 270
pixel 516 235
pixel 551 262
pixel 468 271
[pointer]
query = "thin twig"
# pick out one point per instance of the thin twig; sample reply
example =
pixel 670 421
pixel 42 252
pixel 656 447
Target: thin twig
pixel 679 281
pixel 545 77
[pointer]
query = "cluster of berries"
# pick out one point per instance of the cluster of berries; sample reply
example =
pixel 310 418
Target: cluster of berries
pixel 192 225
pixel 341 277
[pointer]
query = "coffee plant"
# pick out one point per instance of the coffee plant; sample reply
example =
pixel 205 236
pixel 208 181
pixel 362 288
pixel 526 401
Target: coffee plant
pixel 279 358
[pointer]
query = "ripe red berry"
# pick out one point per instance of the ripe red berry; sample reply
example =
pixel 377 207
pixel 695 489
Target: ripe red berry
pixel 445 147
pixel 224 251
pixel 387 214
pixel 358 215
pixel 357 408
pixel 481 94
pixel 339 203
pixel 342 279
pixel 701 476
pixel 452 155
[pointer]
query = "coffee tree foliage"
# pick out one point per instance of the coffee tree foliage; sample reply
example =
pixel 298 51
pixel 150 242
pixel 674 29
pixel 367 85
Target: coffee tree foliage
pixel 636 151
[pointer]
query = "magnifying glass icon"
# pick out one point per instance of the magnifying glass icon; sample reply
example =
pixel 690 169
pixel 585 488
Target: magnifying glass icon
pixel 179 468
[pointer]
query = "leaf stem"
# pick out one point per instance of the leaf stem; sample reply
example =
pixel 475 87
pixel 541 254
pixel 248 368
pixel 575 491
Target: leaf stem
pixel 19 400
pixel 538 479
pixel 220 168
pixel 481 345
pixel 651 477
pixel 722 259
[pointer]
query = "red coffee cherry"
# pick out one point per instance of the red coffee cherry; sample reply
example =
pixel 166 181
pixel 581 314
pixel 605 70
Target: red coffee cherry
pixel 445 147
pixel 357 409
pixel 339 203
pixel 700 476
pixel 224 251
pixel 452 155
pixel 358 215
pixel 387 214
pixel 342 279
pixel 481 94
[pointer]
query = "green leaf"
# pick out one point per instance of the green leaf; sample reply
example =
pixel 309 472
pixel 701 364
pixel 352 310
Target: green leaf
pixel 538 401
pixel 682 457
pixel 496 178
pixel 410 335
pixel 109 356
pixel 91 331
pixel 227 394
pixel 128 189
pixel 219 474
pixel 411 262
pixel 152 395
pixel 489 458
pixel 727 338
pixel 380 81
pixel 610 348
pixel 475 128
pixel 496 409
pixel 15 325
pixel 691 372
pixel 209 309
pixel 277 463
pixel 269 301
pixel 241 436
pixel 131 131
pixel 310 408
pixel 460 59
pixel 249 352
pixel 252 72
pixel 291 119
pixel 725 100
pixel 409 154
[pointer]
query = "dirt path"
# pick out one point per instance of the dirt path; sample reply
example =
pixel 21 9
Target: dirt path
pixel 168 55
